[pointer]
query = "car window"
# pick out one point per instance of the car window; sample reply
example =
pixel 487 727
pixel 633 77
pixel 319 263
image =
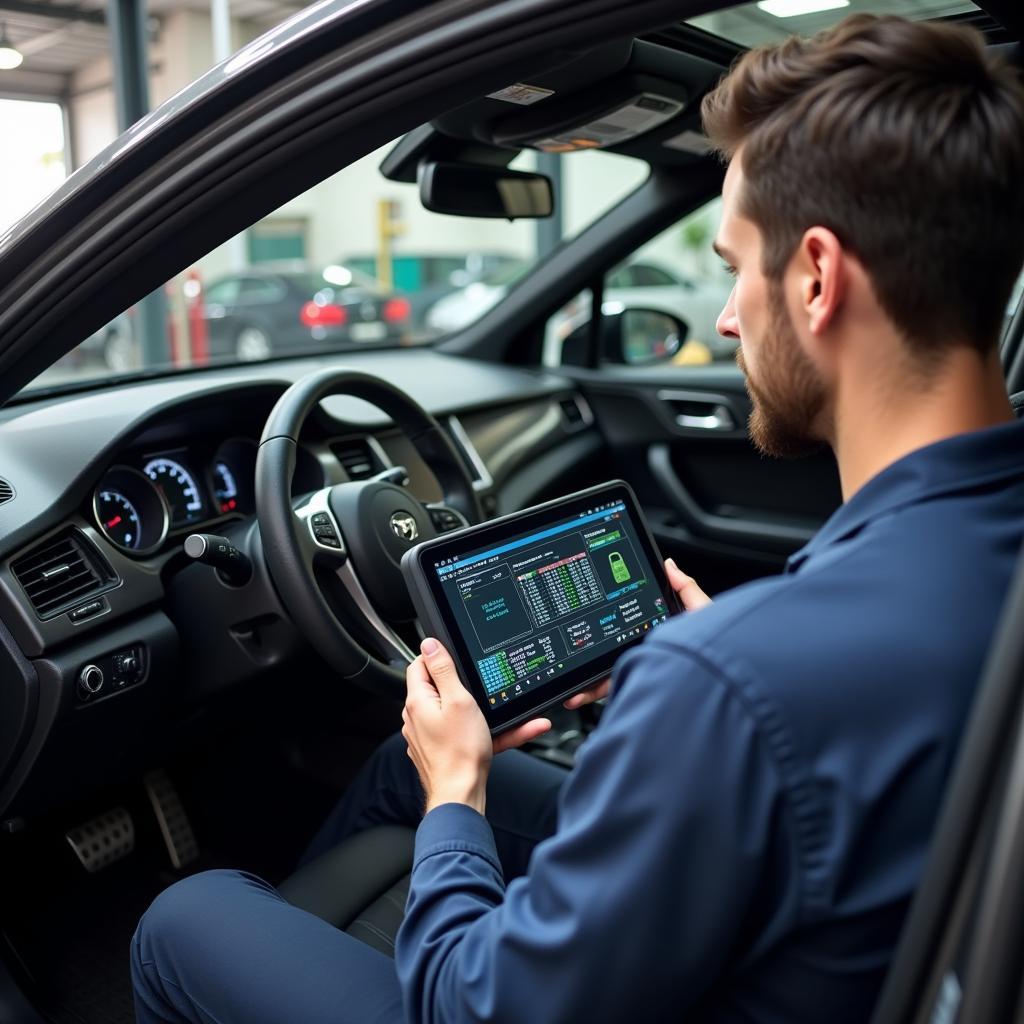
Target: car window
pixel 223 293
pixel 259 289
pixel 367 265
pixel 647 276
pixel 676 273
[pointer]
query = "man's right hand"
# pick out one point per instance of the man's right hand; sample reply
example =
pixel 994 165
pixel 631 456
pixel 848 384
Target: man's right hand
pixel 685 587
pixel 691 597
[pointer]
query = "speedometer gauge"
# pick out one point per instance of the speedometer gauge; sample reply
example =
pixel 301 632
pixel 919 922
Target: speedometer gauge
pixel 129 511
pixel 178 487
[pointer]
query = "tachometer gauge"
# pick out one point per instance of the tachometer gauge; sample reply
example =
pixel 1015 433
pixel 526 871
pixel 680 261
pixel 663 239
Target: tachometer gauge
pixel 118 518
pixel 129 511
pixel 178 487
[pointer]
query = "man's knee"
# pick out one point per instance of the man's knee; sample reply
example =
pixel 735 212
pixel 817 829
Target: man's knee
pixel 186 909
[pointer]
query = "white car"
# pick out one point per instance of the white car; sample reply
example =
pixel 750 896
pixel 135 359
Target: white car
pixel 633 285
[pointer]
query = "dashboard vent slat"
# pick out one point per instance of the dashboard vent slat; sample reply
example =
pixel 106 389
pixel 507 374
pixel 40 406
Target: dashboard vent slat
pixel 60 572
pixel 357 457
pixel 6 491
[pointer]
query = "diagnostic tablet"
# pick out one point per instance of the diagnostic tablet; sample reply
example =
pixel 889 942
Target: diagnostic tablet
pixel 538 605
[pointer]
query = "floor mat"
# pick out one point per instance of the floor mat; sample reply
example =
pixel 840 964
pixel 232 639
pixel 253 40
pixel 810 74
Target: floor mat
pixel 71 930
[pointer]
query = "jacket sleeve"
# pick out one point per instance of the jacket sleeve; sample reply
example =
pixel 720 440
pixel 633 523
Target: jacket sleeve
pixel 672 826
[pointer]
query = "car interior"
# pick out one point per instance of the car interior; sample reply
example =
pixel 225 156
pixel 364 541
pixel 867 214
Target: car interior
pixel 203 627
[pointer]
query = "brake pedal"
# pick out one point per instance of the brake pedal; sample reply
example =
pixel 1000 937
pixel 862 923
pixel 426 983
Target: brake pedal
pixel 101 841
pixel 179 838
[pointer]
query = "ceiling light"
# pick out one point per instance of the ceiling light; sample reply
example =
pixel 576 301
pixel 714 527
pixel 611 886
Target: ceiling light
pixel 10 58
pixel 794 8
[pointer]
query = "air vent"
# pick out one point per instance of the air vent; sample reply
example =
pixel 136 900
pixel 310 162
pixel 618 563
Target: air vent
pixel 60 573
pixel 6 491
pixel 361 457
pixel 576 412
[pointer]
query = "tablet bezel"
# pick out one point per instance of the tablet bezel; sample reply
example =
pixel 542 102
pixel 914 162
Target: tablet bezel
pixel 437 618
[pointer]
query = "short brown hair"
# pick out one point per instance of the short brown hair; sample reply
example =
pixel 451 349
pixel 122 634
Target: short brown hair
pixel 906 139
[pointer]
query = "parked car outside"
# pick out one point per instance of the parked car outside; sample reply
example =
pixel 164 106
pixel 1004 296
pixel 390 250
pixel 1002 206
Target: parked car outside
pixel 113 346
pixel 426 278
pixel 633 285
pixel 269 311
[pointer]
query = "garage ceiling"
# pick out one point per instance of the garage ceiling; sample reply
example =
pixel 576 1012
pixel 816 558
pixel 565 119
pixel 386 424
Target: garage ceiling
pixel 58 38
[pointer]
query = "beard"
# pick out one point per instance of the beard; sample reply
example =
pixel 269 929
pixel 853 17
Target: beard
pixel 788 397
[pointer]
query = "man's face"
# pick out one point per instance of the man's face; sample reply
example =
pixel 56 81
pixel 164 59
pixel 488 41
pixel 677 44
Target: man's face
pixel 785 388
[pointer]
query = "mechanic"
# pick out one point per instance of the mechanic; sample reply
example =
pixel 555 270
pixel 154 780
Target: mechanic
pixel 741 835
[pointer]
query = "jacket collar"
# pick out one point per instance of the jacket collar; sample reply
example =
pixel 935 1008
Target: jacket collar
pixel 957 463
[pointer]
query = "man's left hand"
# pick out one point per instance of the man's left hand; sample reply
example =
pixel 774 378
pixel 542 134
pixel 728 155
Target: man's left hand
pixel 448 738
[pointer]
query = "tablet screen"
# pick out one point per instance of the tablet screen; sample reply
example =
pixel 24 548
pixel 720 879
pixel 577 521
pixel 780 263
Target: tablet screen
pixel 540 605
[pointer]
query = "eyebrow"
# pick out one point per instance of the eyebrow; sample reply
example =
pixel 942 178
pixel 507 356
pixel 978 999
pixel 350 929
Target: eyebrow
pixel 722 251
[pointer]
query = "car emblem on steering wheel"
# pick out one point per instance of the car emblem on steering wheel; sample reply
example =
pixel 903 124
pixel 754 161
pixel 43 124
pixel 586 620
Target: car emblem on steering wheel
pixel 403 526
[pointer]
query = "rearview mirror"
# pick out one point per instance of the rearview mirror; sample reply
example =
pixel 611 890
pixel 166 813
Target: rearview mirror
pixel 473 190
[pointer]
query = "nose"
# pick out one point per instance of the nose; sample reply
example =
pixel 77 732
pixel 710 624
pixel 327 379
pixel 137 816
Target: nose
pixel 727 325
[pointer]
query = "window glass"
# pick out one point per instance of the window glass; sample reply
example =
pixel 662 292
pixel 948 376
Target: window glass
pixel 676 273
pixel 354 262
pixel 767 21
pixel 257 289
pixel 224 293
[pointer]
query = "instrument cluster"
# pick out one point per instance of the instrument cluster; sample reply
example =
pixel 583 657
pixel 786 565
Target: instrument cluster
pixel 138 504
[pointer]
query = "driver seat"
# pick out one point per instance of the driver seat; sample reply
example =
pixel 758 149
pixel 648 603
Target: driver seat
pixel 359 886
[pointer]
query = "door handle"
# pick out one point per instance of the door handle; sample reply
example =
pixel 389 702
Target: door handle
pixel 718 418
pixel 697 410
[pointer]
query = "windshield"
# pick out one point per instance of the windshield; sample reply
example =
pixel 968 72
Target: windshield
pixel 356 262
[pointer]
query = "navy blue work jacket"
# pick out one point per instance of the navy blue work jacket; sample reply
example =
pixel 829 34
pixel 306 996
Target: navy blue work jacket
pixel 741 835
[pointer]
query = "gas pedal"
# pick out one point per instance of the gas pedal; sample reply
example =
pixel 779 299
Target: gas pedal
pixel 179 838
pixel 103 840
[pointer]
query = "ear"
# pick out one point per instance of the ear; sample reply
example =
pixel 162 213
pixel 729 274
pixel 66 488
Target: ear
pixel 822 276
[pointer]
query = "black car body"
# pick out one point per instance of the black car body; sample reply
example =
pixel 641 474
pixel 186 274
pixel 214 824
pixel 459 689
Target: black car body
pixel 264 312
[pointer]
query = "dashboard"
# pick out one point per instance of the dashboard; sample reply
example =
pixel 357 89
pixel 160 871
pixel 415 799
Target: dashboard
pixel 152 496
pixel 107 486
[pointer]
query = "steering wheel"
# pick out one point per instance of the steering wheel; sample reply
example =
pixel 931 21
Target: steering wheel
pixel 335 558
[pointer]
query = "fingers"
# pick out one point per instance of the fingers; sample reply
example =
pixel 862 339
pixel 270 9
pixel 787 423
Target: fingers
pixel 521 734
pixel 577 700
pixel 418 684
pixel 686 587
pixel 441 668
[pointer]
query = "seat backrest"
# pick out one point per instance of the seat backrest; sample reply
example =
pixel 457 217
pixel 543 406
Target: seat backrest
pixel 1017 401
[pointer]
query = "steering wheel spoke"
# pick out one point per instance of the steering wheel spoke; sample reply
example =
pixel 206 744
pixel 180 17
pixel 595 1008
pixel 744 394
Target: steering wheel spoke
pixel 336 559
pixel 444 517
pixel 320 534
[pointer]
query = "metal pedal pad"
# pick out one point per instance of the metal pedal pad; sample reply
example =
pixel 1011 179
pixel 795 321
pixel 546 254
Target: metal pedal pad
pixel 103 840
pixel 179 838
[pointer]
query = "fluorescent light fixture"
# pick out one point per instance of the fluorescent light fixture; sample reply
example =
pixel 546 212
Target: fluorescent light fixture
pixel 794 8
pixel 10 58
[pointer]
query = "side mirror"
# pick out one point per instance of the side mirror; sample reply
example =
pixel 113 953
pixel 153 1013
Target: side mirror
pixel 640 337
pixel 631 337
pixel 475 190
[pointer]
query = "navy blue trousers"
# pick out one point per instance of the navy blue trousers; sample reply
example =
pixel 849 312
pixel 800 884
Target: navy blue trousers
pixel 223 947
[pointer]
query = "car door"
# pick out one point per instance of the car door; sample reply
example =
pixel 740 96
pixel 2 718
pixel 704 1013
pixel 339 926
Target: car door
pixel 677 432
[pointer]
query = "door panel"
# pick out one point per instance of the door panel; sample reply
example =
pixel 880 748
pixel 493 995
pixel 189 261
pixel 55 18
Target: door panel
pixel 725 512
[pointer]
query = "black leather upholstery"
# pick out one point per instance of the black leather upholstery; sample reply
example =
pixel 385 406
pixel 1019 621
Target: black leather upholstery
pixel 360 886
pixel 1017 401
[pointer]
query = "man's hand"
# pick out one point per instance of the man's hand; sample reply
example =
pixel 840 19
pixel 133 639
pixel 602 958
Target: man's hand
pixel 692 598
pixel 448 738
